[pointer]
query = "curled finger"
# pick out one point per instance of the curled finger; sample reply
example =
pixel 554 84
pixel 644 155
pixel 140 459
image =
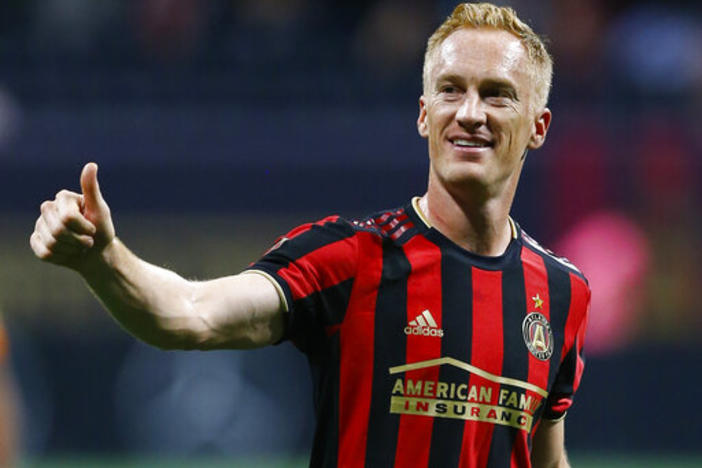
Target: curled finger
pixel 62 244
pixel 68 209
pixel 42 251
pixel 57 229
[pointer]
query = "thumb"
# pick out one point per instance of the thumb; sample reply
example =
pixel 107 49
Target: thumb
pixel 95 208
pixel 92 198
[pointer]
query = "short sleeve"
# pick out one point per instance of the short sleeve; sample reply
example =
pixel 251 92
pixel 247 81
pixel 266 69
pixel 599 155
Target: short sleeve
pixel 313 267
pixel 572 366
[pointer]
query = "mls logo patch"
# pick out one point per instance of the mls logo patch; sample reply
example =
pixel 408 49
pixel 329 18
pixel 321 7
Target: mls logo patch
pixel 538 336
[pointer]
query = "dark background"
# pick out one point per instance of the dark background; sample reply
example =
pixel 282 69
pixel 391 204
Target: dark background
pixel 219 125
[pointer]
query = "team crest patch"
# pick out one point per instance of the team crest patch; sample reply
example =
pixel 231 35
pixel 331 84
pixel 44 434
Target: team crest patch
pixel 538 336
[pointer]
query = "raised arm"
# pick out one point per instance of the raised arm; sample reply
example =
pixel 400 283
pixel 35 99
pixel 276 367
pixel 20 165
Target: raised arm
pixel 154 304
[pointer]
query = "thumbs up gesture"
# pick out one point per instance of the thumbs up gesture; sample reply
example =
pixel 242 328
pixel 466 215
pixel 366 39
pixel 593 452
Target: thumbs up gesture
pixel 74 226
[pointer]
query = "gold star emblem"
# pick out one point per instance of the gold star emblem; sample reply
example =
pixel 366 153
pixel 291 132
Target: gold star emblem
pixel 538 302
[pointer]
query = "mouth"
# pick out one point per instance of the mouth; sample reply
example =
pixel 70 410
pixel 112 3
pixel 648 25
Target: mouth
pixel 471 143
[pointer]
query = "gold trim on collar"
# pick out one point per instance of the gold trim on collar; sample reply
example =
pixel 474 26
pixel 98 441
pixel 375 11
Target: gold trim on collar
pixel 425 220
pixel 513 226
pixel 418 210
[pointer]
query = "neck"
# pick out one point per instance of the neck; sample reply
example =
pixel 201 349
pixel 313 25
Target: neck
pixel 477 223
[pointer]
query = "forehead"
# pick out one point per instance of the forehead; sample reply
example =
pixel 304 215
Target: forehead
pixel 481 53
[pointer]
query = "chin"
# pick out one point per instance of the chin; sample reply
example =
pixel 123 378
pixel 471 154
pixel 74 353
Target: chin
pixel 466 172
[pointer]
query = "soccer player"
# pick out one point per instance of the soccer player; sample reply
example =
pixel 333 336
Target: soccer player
pixel 439 333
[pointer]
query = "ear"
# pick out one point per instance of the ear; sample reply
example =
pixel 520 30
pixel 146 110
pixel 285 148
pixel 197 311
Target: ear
pixel 540 129
pixel 422 124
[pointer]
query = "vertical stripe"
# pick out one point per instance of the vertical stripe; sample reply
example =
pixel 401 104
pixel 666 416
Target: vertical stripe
pixel 559 298
pixel 486 354
pixel 578 305
pixel 325 375
pixel 515 360
pixel 572 363
pixel 389 346
pixel 537 298
pixel 521 454
pixel 423 300
pixel 356 360
pixel 456 320
pixel 538 301
pixel 320 269
pixel 581 303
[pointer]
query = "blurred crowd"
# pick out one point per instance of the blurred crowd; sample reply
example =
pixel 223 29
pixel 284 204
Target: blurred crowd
pixel 627 94
pixel 614 189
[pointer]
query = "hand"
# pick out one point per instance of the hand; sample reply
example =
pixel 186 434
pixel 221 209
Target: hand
pixel 74 227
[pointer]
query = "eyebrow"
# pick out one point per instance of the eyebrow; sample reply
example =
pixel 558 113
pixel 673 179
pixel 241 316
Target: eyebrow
pixel 495 83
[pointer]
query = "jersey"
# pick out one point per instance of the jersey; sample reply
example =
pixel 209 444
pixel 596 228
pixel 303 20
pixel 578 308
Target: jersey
pixel 424 354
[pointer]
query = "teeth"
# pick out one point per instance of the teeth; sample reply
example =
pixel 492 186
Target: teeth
pixel 472 144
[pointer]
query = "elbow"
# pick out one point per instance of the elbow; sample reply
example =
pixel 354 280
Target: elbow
pixel 178 341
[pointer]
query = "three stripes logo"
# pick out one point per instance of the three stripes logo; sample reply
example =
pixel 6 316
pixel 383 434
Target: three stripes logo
pixel 424 325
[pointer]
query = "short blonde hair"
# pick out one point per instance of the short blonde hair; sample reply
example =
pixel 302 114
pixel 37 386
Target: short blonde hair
pixel 487 15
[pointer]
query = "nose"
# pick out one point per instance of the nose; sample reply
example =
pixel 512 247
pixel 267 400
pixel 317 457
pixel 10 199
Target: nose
pixel 471 114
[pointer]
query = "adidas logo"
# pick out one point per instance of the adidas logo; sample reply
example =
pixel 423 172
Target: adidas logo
pixel 424 325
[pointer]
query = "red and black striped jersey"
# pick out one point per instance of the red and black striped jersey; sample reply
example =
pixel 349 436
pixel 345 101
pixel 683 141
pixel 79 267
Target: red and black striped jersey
pixel 424 354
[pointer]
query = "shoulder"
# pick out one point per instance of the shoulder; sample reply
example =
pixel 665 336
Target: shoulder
pixel 566 277
pixel 394 224
pixel 334 235
pixel 551 258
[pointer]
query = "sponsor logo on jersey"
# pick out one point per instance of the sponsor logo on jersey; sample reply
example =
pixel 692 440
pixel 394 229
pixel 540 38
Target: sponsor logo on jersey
pixel 482 397
pixel 538 336
pixel 424 325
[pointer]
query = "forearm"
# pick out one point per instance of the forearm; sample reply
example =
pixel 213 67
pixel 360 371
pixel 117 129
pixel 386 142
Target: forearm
pixel 548 448
pixel 152 303
pixel 164 309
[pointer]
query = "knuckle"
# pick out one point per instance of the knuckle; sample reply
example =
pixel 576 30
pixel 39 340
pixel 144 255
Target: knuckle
pixel 50 243
pixel 46 206
pixel 56 231
pixel 66 218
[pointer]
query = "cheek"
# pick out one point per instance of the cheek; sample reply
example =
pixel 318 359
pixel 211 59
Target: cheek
pixel 518 132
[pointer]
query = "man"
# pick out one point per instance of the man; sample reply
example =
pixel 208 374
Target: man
pixel 439 333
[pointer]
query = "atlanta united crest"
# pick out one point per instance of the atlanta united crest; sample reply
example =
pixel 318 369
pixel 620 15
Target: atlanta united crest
pixel 538 336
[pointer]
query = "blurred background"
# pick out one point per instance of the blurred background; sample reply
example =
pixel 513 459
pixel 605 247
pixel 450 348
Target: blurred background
pixel 220 125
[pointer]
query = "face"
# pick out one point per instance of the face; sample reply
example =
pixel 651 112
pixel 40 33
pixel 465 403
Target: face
pixel 479 110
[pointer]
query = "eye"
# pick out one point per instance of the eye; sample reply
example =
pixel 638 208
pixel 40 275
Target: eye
pixel 450 92
pixel 500 94
pixel 448 89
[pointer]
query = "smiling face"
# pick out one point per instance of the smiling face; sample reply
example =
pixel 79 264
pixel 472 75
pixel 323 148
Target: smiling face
pixel 479 111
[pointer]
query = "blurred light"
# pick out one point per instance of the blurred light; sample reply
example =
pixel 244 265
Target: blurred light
pixel 613 253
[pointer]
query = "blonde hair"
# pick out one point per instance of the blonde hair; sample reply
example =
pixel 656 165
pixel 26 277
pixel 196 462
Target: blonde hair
pixel 487 15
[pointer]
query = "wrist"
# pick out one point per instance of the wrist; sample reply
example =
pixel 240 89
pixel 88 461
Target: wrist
pixel 96 260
